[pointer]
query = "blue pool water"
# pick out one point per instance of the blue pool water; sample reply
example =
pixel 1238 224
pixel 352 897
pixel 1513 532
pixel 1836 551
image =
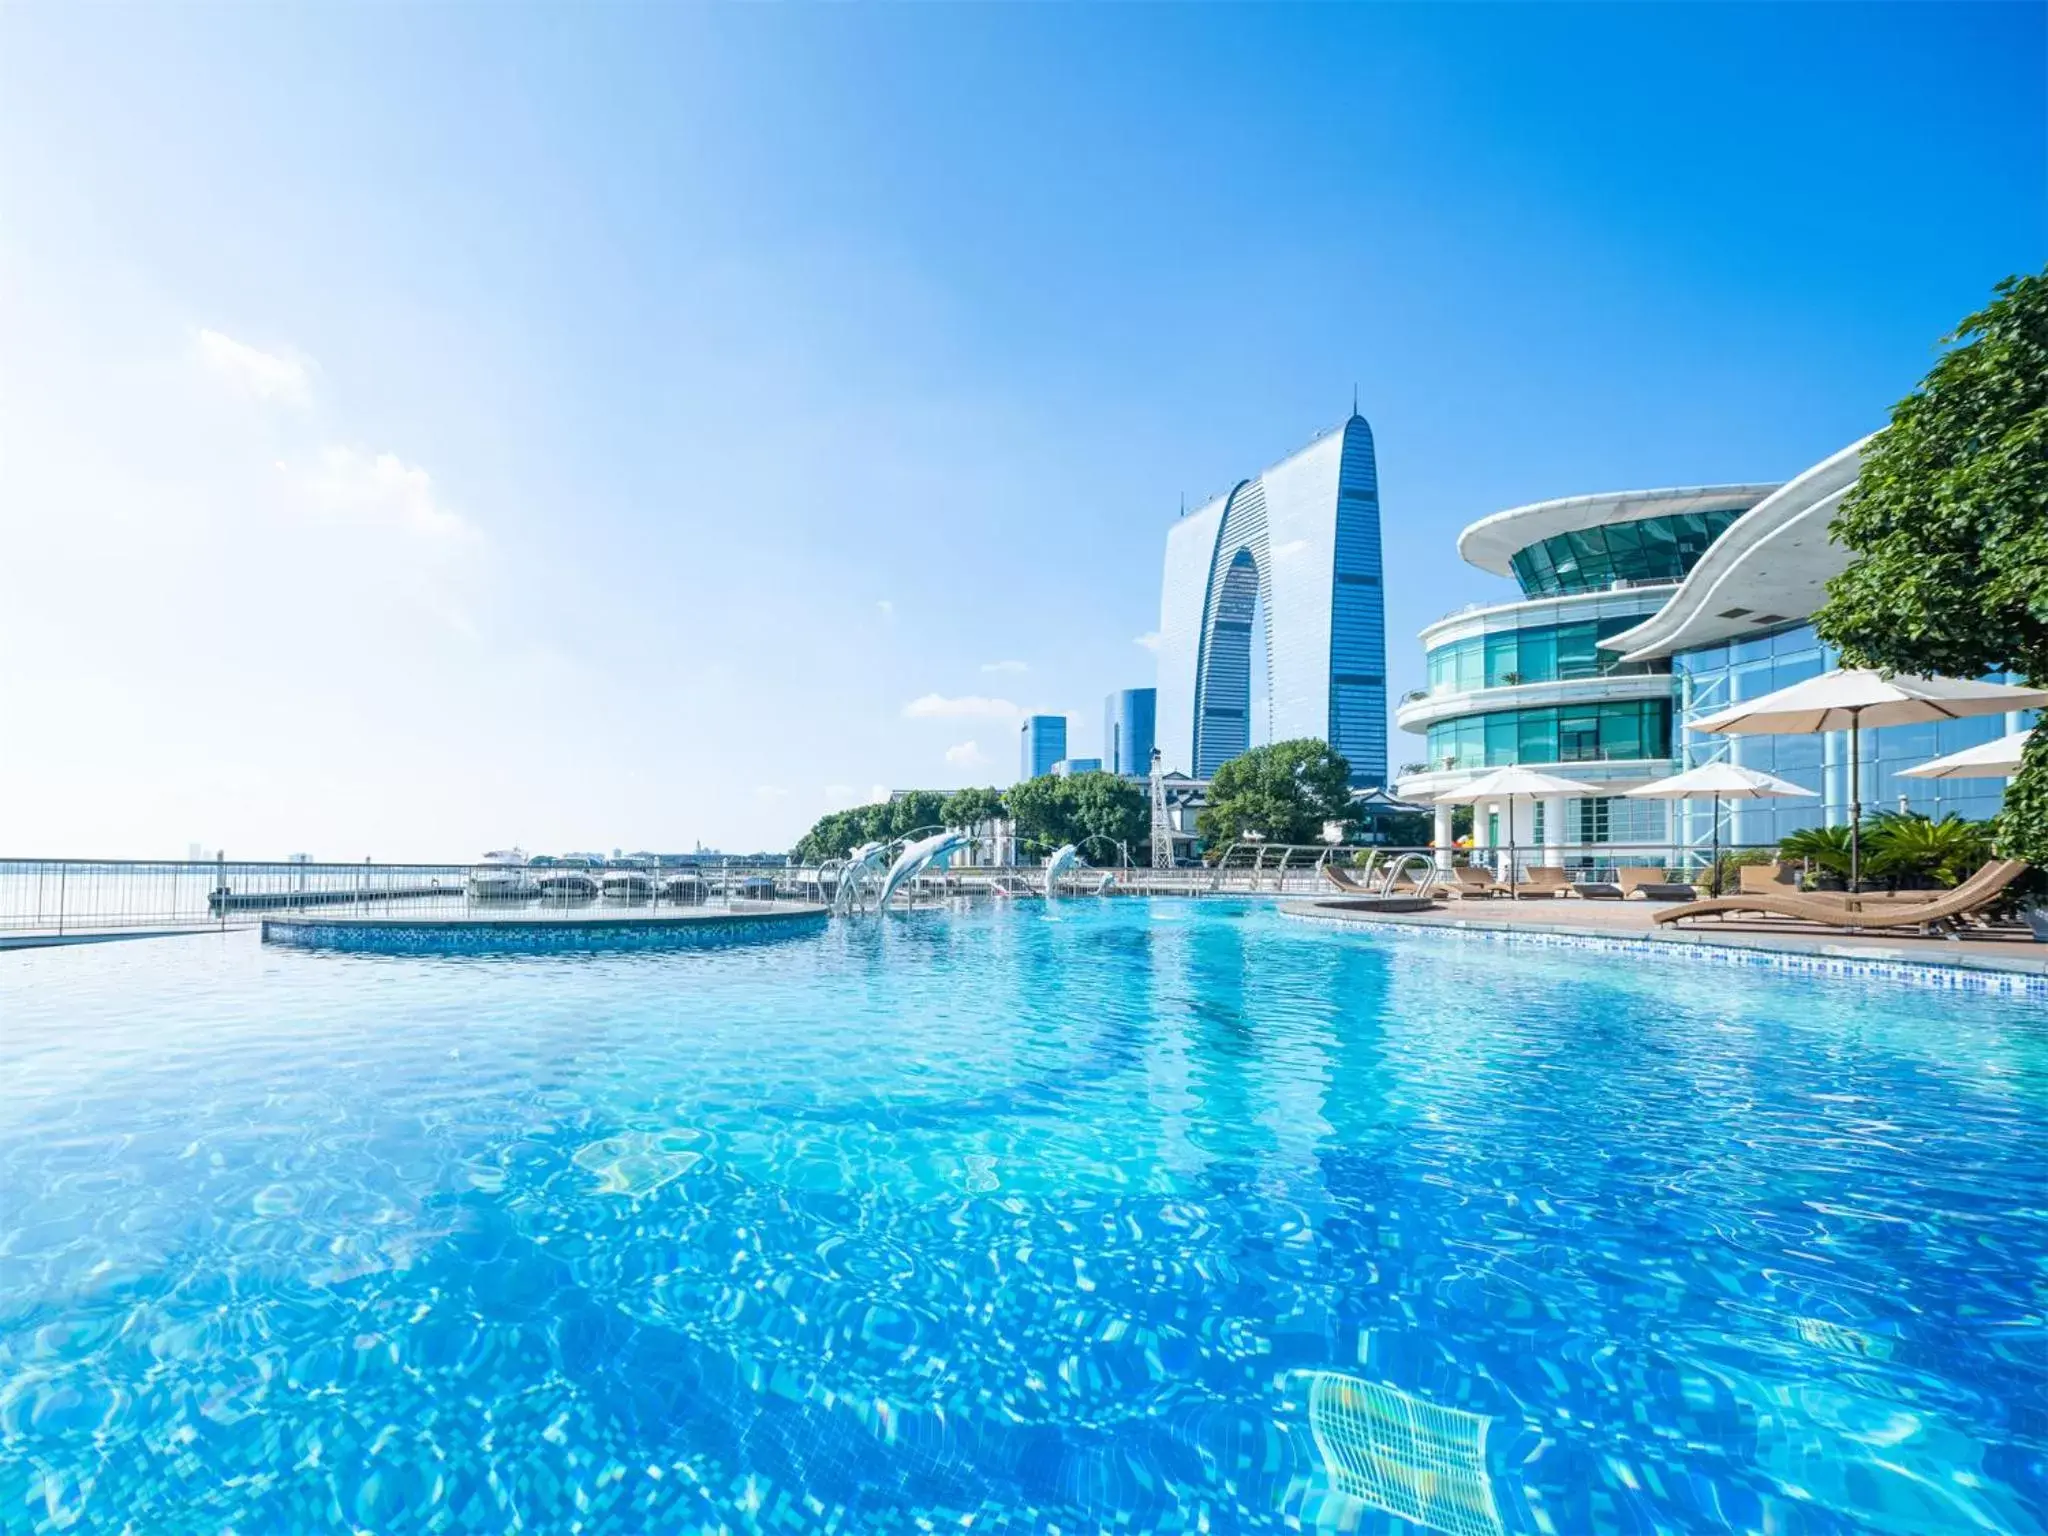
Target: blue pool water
pixel 1016 1221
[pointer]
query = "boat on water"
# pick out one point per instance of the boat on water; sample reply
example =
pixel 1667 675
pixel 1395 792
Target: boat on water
pixel 568 885
pixel 628 884
pixel 685 889
pixel 501 875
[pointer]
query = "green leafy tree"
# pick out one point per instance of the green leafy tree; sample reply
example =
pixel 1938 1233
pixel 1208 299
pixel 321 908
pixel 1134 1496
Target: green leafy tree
pixel 918 809
pixel 1284 792
pixel 1051 810
pixel 1108 809
pixel 838 833
pixel 1040 808
pixel 970 807
pixel 1948 523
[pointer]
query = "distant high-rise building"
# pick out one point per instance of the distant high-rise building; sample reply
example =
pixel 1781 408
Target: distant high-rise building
pixel 1044 742
pixel 1128 720
pixel 1297 547
pixel 1067 767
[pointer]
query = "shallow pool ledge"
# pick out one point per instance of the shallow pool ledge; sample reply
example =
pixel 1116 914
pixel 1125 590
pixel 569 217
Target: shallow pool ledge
pixel 535 936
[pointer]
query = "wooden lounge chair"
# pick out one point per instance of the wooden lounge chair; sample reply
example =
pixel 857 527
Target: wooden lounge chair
pixel 1341 879
pixel 1596 890
pixel 1765 880
pixel 1474 881
pixel 1545 880
pixel 1845 911
pixel 1651 885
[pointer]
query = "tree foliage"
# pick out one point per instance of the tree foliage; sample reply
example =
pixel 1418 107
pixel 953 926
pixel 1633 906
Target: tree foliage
pixel 1283 792
pixel 971 807
pixel 1948 524
pixel 1051 810
pixel 837 834
pixel 916 811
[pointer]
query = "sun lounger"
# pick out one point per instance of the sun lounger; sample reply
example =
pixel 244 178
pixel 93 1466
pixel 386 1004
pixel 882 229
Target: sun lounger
pixel 1845 911
pixel 1651 885
pixel 1474 881
pixel 1343 881
pixel 1545 880
pixel 1765 880
pixel 1596 890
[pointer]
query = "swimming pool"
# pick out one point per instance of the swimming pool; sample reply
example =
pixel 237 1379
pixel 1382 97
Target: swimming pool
pixel 1114 1215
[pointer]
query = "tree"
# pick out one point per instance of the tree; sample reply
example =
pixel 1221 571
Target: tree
pixel 1108 809
pixel 1051 810
pixel 1284 792
pixel 971 807
pixel 1948 526
pixel 915 810
pixel 1039 807
pixel 837 833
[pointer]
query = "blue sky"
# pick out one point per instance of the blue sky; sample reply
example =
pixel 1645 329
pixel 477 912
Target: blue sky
pixel 423 429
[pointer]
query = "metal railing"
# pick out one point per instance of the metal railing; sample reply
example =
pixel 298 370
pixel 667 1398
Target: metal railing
pixel 65 897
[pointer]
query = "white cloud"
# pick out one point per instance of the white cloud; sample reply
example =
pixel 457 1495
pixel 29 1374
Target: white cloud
pixel 967 754
pixel 972 706
pixel 770 792
pixel 878 794
pixel 265 375
pixel 887 609
pixel 382 491
pixel 1291 547
pixel 835 793
pixel 1149 640
pixel 1004 666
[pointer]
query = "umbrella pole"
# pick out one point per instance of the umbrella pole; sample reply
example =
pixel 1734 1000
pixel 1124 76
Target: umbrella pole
pixel 1855 800
pixel 1716 877
pixel 1513 893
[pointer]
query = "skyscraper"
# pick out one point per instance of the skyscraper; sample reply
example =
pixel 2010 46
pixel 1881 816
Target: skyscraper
pixel 1043 740
pixel 1295 550
pixel 1128 719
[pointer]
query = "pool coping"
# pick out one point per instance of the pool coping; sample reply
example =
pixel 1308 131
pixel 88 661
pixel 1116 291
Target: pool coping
pixel 1809 953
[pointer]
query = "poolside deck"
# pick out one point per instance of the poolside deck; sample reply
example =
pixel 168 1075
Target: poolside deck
pixel 1631 920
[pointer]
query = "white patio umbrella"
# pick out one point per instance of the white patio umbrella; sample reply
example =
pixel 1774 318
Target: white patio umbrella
pixel 1505 784
pixel 1850 700
pixel 1998 759
pixel 1719 781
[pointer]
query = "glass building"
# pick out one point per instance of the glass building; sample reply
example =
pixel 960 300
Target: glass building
pixel 1535 681
pixel 1067 767
pixel 1043 742
pixel 1736 630
pixel 1640 614
pixel 1128 718
pixel 1293 554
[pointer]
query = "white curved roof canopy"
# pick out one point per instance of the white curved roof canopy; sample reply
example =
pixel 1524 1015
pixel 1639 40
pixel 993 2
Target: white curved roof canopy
pixel 1493 541
pixel 1770 569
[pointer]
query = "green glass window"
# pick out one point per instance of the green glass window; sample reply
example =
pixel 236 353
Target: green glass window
pixel 1544 655
pixel 1592 559
pixel 1583 733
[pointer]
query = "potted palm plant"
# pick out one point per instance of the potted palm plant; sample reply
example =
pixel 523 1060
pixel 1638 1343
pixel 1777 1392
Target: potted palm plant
pixel 1824 851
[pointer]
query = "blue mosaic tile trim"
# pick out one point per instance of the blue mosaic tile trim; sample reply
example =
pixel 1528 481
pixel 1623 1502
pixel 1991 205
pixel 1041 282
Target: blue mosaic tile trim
pixel 1923 973
pixel 515 938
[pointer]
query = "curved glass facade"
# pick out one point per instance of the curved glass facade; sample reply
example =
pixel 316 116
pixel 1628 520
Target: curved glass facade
pixel 1550 654
pixel 1593 559
pixel 1568 733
